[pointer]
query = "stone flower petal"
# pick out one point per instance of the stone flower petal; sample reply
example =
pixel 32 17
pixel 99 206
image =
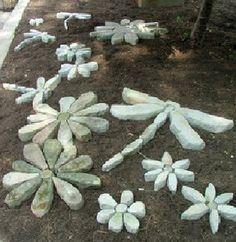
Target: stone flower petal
pixel 52 83
pixel 172 182
pixel 104 215
pixel 149 133
pixel 116 223
pixel 80 131
pixel 152 175
pixel 65 103
pixel 131 223
pixel 97 109
pixel 195 212
pixel 224 198
pixel 64 135
pixel 39 98
pixel 210 193
pixel 227 211
pixel 69 194
pixel 131 38
pixel 22 166
pixel 160 181
pixel 127 197
pixel 46 109
pixel 106 201
pixel 113 162
pixel 39 117
pixel 167 159
pixel 137 209
pixel 160 119
pixel 184 175
pixel 214 220
pixel 181 164
pixel 26 97
pixel 152 164
pixel 117 38
pixel 192 195
pixel 132 148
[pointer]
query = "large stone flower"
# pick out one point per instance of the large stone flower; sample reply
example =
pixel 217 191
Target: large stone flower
pixel 76 117
pixel 126 213
pixel 217 206
pixel 127 31
pixel 42 171
pixel 166 172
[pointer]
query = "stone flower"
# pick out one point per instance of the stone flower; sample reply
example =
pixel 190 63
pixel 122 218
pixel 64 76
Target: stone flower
pixel 127 31
pixel 41 172
pixel 166 172
pixel 216 206
pixel 76 117
pixel 126 213
pixel 35 36
pixel 36 22
pixel 39 94
pixel 69 16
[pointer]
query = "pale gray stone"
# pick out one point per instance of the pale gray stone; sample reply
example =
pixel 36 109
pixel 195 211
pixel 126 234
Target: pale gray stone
pixel 152 175
pixel 227 212
pixel 152 164
pixel 149 133
pixel 35 118
pixel 181 164
pixel 36 22
pixel 98 109
pixel 127 197
pixel 22 166
pixel 80 131
pixel 46 109
pixel 184 175
pixel 117 38
pixel 113 162
pixel 172 182
pixel 210 193
pixel 104 215
pixel 132 148
pixel 65 103
pixel 64 134
pixel 224 198
pixel 214 220
pixel 138 209
pixel 160 181
pixel 106 201
pixel 131 223
pixel 192 195
pixel 121 208
pixel 160 119
pixel 116 223
pixel 195 212
pixel 167 159
pixel 131 38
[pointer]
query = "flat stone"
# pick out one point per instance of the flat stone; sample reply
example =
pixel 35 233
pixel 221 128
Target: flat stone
pixel 52 83
pixel 214 220
pixel 152 175
pixel 35 118
pixel 127 197
pixel 121 208
pixel 104 215
pixel 172 182
pixel 65 103
pixel 86 68
pixel 46 109
pixel 152 164
pixel 161 180
pixel 224 198
pixel 131 38
pixel 227 211
pixel 113 162
pixel 149 133
pixel 161 119
pixel 210 193
pixel 80 131
pixel 132 148
pixel 131 223
pixel 184 175
pixel 195 212
pixel 192 195
pixel 137 209
pixel 106 201
pixel 64 135
pixel 22 166
pixel 116 223
pixel 167 159
pixel 117 38
pixel 98 109
pixel 181 164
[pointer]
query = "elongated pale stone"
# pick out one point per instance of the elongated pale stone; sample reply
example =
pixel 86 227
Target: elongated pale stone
pixel 40 82
pixel 224 198
pixel 52 83
pixel 65 103
pixel 35 118
pixel 160 119
pixel 136 111
pixel 116 223
pixel 86 68
pixel 34 155
pixel 132 148
pixel 184 175
pixel 117 38
pixel 52 149
pixel 46 109
pixel 172 182
pixel 22 192
pixel 195 212
pixel 210 193
pixel 131 38
pixel 104 215
pixel 14 179
pixel 138 209
pixel 98 109
pixel 227 212
pixel 82 180
pixel 146 35
pixel 69 194
pixel 152 164
pixel 22 166
pixel 43 198
pixel 160 181
pixel 131 223
pixel 27 132
pixel 188 138
pixel 106 201
pixel 207 121
pixel 152 175
pixel 214 220
pixel 46 133
pixel 39 98
pixel 127 197
pixel 181 164
pixel 85 100
pixel 113 162
pixel 167 159
pixel 64 135
pixel 149 133
pixel 72 73
pixel 192 195
pixel 26 97
pixel 80 131
pixel 98 125
pixel 80 164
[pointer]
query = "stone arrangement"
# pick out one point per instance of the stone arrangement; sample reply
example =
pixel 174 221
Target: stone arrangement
pixel 125 214
pixel 217 206
pixel 127 31
pixel 39 94
pixel 34 36
pixel 165 172
pixel 141 106
pixel 69 16
pixel 36 22
pixel 43 170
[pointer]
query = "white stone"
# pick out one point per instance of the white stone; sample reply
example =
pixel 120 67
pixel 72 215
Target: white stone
pixel 214 220
pixel 181 164
pixel 224 198
pixel 46 109
pixel 195 212
pixel 98 109
pixel 64 135
pixel 167 159
pixel 106 201
pixel 148 133
pixel 192 195
pixel 160 181
pixel 184 175
pixel 152 164
pixel 172 182
pixel 131 223
pixel 113 162
pixel 117 38
pixel 132 148
pixel 210 193
pixel 152 175
pixel 131 38
pixel 227 212
pixel 116 223
pixel 160 119
pixel 36 22
pixel 127 197
pixel 137 209
pixel 121 208
pixel 65 103
pixel 104 215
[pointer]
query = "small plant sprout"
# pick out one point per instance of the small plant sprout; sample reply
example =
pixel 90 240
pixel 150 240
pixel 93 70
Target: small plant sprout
pixel 69 16
pixel 141 106
pixel 166 172
pixel 125 214
pixel 43 170
pixel 127 31
pixel 216 206
pixel 39 94
pixel 33 37
pixel 35 22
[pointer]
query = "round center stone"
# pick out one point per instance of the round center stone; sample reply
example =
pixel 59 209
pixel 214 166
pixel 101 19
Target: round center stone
pixel 121 208
pixel 168 168
pixel 212 205
pixel 47 174
pixel 63 116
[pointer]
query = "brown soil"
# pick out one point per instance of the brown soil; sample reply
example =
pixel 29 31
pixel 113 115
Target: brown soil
pixel 166 68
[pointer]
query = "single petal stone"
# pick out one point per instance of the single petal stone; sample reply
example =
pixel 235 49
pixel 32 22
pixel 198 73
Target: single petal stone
pixel 81 164
pixel 214 220
pixel 160 119
pixel 22 192
pixel 64 135
pixel 52 83
pixel 69 194
pixel 137 209
pixel 210 193
pixel 22 166
pixel 80 131
pixel 227 211
pixel 106 201
pixel 43 198
pixel 131 223
pixel 132 148
pixel 148 133
pixel 195 212
pixel 167 159
pixel 14 179
pixel 152 175
pixel 172 182
pixel 52 149
pixel 127 197
pixel 131 38
pixel 224 198
pixel 81 180
pixel 39 98
pixel 113 162
pixel 104 215
pixel 192 195
pixel 46 109
pixel 152 164
pixel 117 38
pixel 26 97
pixel 184 175
pixel 65 103
pixel 34 155
pixel 35 118
pixel 181 164
pixel 121 208
pixel 98 109
pixel 116 223
pixel 72 73
pixel 160 181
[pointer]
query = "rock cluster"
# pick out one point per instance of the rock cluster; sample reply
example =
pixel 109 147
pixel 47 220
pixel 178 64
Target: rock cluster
pixel 35 22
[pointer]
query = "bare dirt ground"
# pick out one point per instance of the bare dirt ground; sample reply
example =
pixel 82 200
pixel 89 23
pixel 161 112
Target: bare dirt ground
pixel 166 68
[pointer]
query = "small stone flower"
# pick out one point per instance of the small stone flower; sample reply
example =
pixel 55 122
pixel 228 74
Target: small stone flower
pixel 77 118
pixel 166 172
pixel 39 94
pixel 126 213
pixel 42 171
pixel 216 206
